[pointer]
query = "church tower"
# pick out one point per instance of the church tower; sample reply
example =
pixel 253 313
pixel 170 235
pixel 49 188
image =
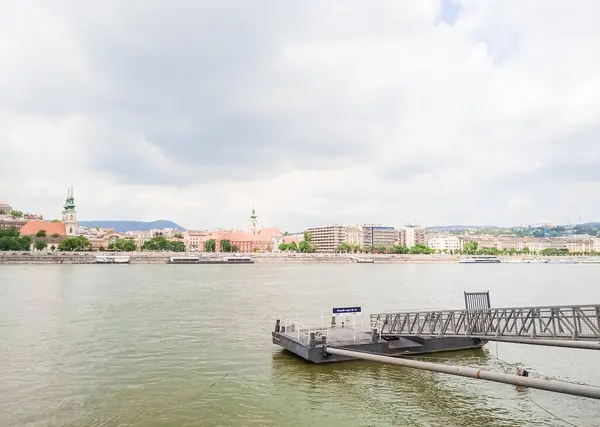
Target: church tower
pixel 253 224
pixel 69 214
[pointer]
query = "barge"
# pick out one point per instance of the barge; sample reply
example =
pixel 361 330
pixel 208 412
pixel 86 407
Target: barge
pixel 210 260
pixel 228 260
pixel 480 259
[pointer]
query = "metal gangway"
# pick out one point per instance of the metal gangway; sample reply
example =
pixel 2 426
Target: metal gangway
pixel 527 325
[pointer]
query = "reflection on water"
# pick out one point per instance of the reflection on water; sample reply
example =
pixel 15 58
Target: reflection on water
pixel 397 394
pixel 163 345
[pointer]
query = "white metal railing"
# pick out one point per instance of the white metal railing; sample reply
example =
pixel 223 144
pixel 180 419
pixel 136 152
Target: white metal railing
pixel 301 332
pixel 554 322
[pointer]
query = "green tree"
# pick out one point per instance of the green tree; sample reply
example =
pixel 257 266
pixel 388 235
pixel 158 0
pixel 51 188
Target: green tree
pixel 225 245
pixel 10 232
pixel 55 220
pixel 123 245
pixel 16 214
pixel 73 244
pixel 399 249
pixel 55 235
pixel 156 244
pixel 291 247
pixel 306 245
pixel 234 248
pixel 41 233
pixel 178 236
pixel 177 246
pixel 11 241
pixel 40 245
pixel 421 249
pixel 210 245
pixel 344 247
pixel 471 247
pixel 162 244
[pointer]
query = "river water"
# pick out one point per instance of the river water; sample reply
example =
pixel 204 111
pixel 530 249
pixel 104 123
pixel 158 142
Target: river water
pixel 190 345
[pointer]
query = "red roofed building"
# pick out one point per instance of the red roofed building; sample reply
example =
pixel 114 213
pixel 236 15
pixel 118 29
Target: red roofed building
pixel 55 233
pixel 33 227
pixel 244 242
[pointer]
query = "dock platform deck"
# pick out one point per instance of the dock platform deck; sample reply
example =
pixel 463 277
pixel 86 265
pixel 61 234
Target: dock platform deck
pixel 310 343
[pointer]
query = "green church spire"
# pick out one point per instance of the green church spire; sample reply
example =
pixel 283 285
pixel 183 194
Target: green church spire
pixel 70 202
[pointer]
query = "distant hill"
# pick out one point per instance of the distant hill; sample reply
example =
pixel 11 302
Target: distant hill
pixel 590 224
pixel 123 226
pixel 458 227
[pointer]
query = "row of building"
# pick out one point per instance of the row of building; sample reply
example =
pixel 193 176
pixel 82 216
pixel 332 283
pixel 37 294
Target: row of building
pixel 329 238
pixel 574 243
pixel 257 238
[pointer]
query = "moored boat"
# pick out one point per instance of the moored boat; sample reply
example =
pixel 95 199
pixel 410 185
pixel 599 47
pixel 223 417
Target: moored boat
pixel 227 260
pixel 480 259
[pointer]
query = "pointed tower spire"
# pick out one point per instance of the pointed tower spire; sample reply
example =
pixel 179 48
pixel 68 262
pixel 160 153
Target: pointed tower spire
pixel 253 225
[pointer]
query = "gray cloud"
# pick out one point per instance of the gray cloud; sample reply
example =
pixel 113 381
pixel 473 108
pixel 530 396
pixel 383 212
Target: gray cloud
pixel 317 111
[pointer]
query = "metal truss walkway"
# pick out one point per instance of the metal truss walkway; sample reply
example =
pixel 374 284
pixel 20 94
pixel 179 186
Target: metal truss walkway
pixel 576 322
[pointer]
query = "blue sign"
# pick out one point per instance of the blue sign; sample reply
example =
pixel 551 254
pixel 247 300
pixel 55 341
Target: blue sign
pixel 346 310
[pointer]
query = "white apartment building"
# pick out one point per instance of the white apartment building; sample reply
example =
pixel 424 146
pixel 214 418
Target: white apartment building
pixel 411 235
pixel 596 244
pixel 327 238
pixel 354 236
pixel 444 243
pixel 194 240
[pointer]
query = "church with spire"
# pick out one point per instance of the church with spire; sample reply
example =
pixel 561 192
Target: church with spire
pixel 69 214
pixel 254 223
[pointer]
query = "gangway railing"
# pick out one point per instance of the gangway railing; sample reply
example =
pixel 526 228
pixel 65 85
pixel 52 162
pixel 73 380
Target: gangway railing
pixel 576 322
pixel 301 331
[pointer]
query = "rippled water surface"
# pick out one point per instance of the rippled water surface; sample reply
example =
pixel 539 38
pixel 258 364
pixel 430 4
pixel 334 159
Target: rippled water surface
pixel 189 345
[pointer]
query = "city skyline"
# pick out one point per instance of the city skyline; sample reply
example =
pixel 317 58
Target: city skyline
pixel 253 212
pixel 437 112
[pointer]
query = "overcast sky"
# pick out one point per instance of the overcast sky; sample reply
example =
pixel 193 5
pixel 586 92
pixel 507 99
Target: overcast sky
pixel 430 112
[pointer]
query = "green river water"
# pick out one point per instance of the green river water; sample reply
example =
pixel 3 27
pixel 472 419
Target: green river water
pixel 190 345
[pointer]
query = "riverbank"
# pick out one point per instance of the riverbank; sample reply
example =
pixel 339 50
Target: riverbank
pixel 163 257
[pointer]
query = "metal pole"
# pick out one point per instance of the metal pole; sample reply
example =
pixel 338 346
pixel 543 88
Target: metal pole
pixel 586 345
pixel 462 371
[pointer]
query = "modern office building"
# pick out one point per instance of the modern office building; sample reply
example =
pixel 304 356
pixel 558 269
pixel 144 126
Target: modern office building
pixel 377 236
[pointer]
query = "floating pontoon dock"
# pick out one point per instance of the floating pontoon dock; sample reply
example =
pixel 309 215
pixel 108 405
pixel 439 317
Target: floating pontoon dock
pixel 420 332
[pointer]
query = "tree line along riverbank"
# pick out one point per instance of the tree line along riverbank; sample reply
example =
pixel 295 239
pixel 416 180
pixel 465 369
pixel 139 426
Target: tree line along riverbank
pixel 163 257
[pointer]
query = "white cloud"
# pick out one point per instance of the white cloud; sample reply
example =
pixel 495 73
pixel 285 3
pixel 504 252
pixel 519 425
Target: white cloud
pixel 318 113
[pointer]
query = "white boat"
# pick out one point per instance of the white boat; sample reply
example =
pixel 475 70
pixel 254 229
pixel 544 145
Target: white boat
pixel 113 259
pixel 588 260
pixel 480 259
pixel 236 259
pixel 184 260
